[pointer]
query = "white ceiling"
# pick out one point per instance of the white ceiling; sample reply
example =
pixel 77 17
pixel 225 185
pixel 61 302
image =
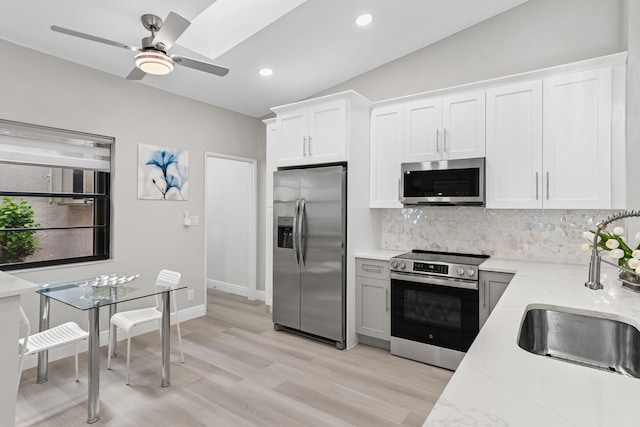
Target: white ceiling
pixel 311 45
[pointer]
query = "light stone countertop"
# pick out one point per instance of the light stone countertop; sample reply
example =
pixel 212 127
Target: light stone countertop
pixel 381 254
pixel 12 286
pixel 500 384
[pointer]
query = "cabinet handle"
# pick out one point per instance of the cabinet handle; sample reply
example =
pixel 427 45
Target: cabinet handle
pixel 437 140
pixel 486 292
pixel 372 268
pixel 304 146
pixel 536 185
pixel 444 141
pixel 387 298
pixel 309 145
pixel 547 185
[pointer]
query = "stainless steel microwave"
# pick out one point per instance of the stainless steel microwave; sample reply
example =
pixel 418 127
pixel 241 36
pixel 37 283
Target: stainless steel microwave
pixel 444 182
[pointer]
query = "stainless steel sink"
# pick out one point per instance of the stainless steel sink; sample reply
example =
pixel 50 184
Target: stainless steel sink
pixel 583 339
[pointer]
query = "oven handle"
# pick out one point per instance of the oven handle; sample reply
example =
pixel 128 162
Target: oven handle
pixel 433 281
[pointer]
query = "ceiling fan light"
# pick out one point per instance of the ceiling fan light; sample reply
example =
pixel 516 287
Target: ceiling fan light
pixel 156 63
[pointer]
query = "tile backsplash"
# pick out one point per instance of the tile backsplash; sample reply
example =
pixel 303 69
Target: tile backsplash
pixel 542 235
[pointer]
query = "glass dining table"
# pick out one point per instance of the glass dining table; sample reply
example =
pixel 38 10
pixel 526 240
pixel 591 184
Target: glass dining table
pixel 90 295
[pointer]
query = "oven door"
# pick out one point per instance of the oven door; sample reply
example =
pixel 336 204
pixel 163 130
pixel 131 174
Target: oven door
pixel 434 311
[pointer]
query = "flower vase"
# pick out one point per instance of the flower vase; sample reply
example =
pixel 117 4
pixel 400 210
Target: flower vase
pixel 630 281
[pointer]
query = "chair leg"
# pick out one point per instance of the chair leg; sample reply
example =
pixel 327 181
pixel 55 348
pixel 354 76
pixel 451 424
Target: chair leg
pixel 109 350
pixel 128 356
pixel 76 349
pixel 180 340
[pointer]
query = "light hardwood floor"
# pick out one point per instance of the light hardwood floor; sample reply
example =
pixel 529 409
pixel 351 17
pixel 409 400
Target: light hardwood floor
pixel 238 371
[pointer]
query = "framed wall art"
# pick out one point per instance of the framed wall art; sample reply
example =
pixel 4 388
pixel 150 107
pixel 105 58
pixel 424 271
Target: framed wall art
pixel 163 173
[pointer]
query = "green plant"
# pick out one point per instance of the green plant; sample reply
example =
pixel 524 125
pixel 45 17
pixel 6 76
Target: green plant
pixel 16 245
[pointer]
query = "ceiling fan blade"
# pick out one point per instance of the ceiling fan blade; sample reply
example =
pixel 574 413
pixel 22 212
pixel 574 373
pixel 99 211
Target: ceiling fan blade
pixel 136 74
pixel 199 65
pixel 93 38
pixel 171 29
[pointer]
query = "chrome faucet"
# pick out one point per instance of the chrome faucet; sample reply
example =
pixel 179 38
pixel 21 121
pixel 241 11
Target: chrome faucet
pixel 594 264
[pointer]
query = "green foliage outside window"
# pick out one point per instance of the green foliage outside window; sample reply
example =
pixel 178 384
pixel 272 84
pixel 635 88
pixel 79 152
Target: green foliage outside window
pixel 16 246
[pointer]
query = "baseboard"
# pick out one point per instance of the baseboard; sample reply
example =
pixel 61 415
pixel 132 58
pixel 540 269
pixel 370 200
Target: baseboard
pixel 234 289
pixel 31 361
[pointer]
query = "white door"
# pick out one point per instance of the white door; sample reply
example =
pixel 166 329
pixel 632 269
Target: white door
pixel 327 139
pixel 293 138
pixel 422 130
pixel 463 121
pixel 386 157
pixel 514 146
pixel 231 224
pixel 577 140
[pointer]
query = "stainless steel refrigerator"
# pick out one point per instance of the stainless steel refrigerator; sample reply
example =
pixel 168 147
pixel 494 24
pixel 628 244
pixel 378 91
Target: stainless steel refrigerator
pixel 309 247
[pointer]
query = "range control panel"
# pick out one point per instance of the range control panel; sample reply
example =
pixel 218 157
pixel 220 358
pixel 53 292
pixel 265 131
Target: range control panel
pixel 469 272
pixel 426 267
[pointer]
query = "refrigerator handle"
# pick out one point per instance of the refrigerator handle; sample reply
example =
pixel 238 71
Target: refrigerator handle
pixel 295 231
pixel 301 230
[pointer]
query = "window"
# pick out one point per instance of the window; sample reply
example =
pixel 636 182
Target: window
pixel 55 196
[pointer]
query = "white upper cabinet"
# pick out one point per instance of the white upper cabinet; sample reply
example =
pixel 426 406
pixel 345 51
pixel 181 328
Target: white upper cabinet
pixel 514 146
pixel 577 140
pixel 386 156
pixel 313 134
pixel 463 118
pixel 549 142
pixel 441 128
pixel 422 128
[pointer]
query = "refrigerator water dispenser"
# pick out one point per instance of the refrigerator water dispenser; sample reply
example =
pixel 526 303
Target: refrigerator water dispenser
pixel 285 232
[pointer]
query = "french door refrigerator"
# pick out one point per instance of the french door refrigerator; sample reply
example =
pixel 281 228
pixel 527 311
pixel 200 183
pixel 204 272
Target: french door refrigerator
pixel 309 247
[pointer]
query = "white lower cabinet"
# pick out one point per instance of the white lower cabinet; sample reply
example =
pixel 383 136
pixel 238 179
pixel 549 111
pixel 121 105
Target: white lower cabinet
pixel 492 286
pixel 373 310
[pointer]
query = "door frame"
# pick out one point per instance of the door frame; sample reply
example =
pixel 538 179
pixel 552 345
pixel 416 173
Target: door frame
pixel 252 226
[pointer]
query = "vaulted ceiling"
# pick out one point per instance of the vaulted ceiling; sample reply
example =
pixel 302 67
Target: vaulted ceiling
pixel 310 45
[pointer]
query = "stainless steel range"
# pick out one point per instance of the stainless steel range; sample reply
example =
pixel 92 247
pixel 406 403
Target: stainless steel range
pixel 435 306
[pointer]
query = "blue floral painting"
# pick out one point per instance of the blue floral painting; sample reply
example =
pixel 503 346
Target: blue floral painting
pixel 163 173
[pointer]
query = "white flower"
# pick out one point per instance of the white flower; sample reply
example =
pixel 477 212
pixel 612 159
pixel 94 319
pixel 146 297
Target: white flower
pixel 636 254
pixel 612 244
pixel 638 270
pixel 589 235
pixel 616 253
pixel 618 231
pixel 586 247
pixel 633 263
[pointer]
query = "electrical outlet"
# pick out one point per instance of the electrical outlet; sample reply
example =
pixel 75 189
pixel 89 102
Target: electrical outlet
pixel 190 295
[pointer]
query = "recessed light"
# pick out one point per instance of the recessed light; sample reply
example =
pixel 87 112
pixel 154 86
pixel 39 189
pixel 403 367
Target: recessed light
pixel 265 72
pixel 364 19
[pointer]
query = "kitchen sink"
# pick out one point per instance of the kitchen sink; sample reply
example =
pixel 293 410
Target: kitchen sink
pixel 582 338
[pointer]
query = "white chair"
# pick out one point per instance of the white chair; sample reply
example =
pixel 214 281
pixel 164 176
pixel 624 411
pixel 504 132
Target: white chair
pixel 126 320
pixel 23 340
pixel 58 336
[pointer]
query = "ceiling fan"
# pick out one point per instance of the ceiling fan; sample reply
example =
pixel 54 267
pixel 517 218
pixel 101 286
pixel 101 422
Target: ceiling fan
pixel 152 58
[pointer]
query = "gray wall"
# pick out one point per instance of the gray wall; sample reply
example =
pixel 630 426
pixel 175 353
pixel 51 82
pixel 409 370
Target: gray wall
pixel 534 35
pixel 148 235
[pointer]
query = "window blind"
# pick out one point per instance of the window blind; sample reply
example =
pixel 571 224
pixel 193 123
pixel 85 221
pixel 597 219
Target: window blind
pixel 41 146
